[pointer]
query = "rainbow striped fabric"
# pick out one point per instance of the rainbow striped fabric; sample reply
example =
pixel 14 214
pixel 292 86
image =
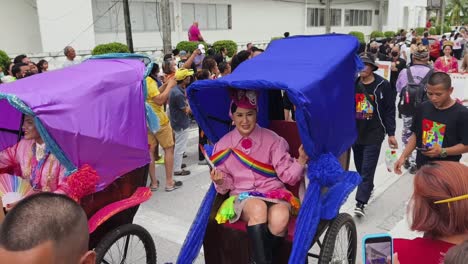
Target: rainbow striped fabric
pixel 259 167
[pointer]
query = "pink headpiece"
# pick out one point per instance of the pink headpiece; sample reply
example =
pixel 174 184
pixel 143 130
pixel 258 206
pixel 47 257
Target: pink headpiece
pixel 246 99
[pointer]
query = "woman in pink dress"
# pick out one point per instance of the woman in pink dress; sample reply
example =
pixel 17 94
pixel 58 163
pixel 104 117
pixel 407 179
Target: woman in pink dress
pixel 253 165
pixel 446 63
pixel 30 159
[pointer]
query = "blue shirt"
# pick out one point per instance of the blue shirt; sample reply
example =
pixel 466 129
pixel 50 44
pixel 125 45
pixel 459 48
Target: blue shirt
pixel 177 104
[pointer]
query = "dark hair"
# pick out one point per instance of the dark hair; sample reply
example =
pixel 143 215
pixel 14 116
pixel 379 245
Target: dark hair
pixel 403 38
pixel 222 66
pixel 254 49
pixel 457 254
pixel 223 49
pixel 440 78
pixel 19 58
pixel 456 36
pixel 155 69
pixel 40 64
pixel 286 34
pixel 210 52
pixel 209 64
pixel 175 52
pixel 204 74
pixel 413 41
pixel 167 57
pixel 239 58
pixel 43 217
pixel 426 34
pixel 17 68
pixel 444 36
pixel 439 181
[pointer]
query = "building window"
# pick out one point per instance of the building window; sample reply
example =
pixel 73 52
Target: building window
pixel 144 16
pixel 316 17
pixel 208 16
pixel 358 17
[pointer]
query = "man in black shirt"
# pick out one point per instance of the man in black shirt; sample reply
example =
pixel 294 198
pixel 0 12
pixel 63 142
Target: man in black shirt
pixel 440 126
pixel 375 117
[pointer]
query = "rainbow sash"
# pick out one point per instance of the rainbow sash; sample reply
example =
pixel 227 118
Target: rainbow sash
pixel 259 167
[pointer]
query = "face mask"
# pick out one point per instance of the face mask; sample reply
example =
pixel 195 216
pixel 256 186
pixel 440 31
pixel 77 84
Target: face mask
pixel 394 53
pixel 373 50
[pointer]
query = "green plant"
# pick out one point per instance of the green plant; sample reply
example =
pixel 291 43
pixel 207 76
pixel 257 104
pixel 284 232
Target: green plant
pixel 377 34
pixel 433 31
pixel 359 35
pixel 189 46
pixel 445 28
pixel 389 34
pixel 420 31
pixel 114 47
pixel 230 45
pixel 4 61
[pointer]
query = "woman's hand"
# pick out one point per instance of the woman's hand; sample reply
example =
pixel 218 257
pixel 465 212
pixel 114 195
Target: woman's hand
pixel 303 158
pixel 217 176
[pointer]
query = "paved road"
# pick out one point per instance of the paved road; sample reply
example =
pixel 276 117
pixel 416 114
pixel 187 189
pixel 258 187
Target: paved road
pixel 168 216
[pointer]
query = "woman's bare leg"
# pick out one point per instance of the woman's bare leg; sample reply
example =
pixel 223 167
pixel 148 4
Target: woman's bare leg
pixel 278 219
pixel 254 212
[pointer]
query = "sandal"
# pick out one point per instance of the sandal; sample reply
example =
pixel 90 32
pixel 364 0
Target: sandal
pixel 153 189
pixel 177 185
pixel 182 173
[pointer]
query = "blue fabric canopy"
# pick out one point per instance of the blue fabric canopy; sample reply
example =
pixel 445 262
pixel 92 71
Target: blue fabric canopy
pixel 320 83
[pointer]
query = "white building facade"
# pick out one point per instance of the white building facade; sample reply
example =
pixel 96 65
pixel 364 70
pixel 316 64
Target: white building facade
pixel 47 26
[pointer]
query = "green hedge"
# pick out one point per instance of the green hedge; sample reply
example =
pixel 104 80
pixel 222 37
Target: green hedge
pixel 189 46
pixel 114 47
pixel 433 31
pixel 377 34
pixel 389 34
pixel 446 29
pixel 230 45
pixel 420 31
pixel 4 61
pixel 358 35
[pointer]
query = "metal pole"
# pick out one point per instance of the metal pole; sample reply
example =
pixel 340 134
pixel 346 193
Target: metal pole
pixel 128 26
pixel 381 14
pixel 166 26
pixel 328 16
pixel 442 16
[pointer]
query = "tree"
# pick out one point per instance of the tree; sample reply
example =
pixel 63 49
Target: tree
pixel 457 12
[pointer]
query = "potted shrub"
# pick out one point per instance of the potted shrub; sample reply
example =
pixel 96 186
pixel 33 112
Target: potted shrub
pixel 114 47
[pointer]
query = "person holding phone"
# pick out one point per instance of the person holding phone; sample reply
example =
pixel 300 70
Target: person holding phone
pixel 440 126
pixel 438 208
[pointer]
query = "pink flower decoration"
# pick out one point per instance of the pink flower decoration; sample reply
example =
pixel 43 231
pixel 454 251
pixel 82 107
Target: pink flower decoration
pixel 246 143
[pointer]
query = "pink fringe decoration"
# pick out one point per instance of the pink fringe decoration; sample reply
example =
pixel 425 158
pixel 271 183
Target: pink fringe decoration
pixel 82 182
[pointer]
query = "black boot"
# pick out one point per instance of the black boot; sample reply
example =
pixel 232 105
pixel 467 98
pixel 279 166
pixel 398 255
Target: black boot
pixel 260 245
pixel 275 243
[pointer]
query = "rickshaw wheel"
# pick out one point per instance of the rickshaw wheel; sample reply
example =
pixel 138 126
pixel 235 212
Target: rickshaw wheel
pixel 117 246
pixel 340 242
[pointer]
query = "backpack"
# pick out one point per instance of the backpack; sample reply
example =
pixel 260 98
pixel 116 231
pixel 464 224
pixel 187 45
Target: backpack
pixel 412 95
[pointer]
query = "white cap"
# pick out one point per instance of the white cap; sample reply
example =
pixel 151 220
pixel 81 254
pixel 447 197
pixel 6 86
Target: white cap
pixel 201 47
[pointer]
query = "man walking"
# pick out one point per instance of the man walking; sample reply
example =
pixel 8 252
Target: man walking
pixel 439 130
pixel 179 116
pixel 375 117
pixel 419 74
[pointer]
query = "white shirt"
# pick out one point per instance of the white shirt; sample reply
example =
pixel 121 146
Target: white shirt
pixel 68 63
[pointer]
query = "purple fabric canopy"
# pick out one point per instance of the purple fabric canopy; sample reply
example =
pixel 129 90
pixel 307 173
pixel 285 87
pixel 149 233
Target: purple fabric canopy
pixel 95 111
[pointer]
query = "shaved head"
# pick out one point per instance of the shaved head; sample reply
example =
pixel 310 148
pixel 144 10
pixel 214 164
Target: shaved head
pixel 46 224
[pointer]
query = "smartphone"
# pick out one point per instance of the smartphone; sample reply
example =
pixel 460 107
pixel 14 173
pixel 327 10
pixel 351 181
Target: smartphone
pixel 422 149
pixel 377 249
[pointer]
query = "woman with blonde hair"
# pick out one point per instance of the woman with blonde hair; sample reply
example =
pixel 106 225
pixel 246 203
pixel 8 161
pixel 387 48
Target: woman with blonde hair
pixel 439 209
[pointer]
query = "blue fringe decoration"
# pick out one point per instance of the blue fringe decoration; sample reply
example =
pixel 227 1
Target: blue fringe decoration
pixel 194 240
pixel 54 147
pixel 50 142
pixel 324 172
